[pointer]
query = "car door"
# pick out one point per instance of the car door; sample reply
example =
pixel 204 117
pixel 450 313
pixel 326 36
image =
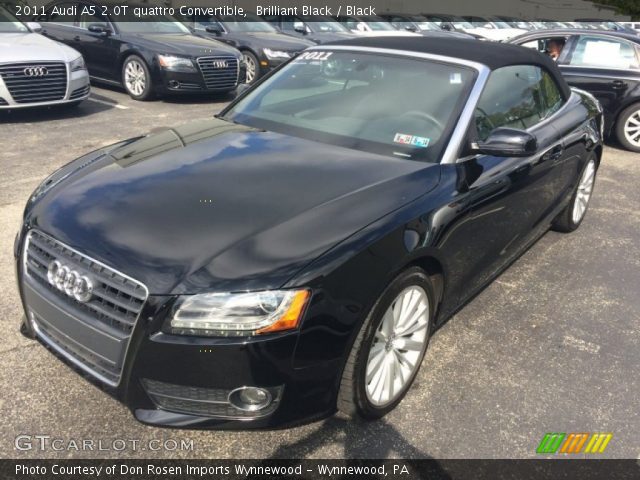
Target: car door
pixel 100 50
pixel 508 199
pixel 59 22
pixel 605 66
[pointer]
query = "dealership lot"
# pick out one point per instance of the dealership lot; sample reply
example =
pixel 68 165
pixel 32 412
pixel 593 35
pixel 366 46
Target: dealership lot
pixel 551 346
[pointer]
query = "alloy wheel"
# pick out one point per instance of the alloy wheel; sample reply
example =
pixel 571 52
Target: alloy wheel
pixel 632 129
pixel 135 78
pixel 583 195
pixel 397 346
pixel 251 67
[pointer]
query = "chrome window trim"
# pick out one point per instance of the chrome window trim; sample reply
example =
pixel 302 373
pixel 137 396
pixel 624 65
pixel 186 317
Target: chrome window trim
pixel 450 155
pixel 52 344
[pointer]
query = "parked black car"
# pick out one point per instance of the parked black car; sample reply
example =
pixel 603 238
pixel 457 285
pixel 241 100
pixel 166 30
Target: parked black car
pixel 605 64
pixel 262 45
pixel 293 255
pixel 157 56
pixel 427 26
pixel 317 29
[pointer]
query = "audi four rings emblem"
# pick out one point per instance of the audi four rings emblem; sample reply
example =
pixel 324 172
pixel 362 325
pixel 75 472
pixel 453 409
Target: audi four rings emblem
pixel 35 71
pixel 220 64
pixel 69 281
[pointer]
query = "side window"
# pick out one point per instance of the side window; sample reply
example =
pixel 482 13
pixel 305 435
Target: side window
pixel 518 96
pixel 604 52
pixel 62 14
pixel 86 19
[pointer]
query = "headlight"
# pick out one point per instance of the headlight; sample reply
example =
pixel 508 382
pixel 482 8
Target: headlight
pixel 78 64
pixel 176 64
pixel 272 54
pixel 238 314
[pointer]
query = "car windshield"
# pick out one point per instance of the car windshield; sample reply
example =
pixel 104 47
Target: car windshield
pixel 10 24
pixel 250 23
pixel 362 101
pixel 377 24
pixel 152 24
pixel 317 24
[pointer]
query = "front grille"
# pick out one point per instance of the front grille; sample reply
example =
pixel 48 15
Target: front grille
pixel 205 402
pixel 219 78
pixel 47 84
pixel 98 333
pixel 79 92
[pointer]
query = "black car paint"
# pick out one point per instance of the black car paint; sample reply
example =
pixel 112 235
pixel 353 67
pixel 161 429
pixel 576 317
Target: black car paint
pixel 105 54
pixel 615 88
pixel 373 216
pixel 311 34
pixel 255 43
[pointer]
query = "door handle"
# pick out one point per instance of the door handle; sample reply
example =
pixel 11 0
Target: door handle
pixel 553 154
pixel 618 85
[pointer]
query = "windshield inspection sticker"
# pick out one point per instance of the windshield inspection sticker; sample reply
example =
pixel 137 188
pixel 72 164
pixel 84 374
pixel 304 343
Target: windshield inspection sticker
pixel 414 140
pixel 455 79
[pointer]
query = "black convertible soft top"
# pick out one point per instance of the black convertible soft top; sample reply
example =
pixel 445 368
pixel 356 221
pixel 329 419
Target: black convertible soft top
pixel 493 55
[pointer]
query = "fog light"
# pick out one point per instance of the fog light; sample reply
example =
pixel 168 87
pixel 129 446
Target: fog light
pixel 250 399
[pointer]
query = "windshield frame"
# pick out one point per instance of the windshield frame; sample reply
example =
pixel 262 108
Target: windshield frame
pixel 457 128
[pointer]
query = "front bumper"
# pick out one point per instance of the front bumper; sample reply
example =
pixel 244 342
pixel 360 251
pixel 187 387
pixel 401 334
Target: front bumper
pixel 78 89
pixel 180 381
pixel 169 81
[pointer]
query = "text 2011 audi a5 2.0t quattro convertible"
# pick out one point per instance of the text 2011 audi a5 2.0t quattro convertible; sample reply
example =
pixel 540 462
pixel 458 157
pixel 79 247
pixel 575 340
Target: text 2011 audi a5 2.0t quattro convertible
pixel 293 255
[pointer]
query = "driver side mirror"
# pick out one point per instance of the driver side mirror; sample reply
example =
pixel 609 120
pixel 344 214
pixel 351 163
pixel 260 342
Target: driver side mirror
pixel 35 27
pixel 300 28
pixel 446 27
pixel 507 142
pixel 99 29
pixel 410 28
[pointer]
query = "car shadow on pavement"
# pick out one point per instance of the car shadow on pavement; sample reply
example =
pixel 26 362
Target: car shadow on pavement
pixel 361 440
pixel 57 112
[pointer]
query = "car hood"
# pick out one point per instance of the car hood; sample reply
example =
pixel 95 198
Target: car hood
pixel 279 41
pixel 181 44
pixel 218 206
pixel 27 47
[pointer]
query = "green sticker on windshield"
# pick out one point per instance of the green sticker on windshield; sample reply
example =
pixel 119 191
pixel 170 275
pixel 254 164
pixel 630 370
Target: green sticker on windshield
pixel 413 140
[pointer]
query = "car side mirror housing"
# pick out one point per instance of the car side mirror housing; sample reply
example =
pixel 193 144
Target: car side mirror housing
pixel 35 27
pixel 507 142
pixel 446 27
pixel 100 29
pixel 301 29
pixel 410 28
pixel 214 30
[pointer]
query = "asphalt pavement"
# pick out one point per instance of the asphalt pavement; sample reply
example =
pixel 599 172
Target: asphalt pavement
pixel 553 345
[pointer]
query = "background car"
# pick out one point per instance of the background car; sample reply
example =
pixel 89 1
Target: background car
pixel 420 24
pixel 372 26
pixel 453 23
pixel 157 56
pixel 317 29
pixel 495 28
pixel 262 45
pixel 36 71
pixel 605 64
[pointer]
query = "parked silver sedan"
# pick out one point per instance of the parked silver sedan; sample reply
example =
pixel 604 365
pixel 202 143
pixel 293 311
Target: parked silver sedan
pixel 36 71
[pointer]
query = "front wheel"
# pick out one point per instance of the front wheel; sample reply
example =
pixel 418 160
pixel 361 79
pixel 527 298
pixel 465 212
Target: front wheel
pixel 389 348
pixel 252 65
pixel 628 128
pixel 572 216
pixel 136 78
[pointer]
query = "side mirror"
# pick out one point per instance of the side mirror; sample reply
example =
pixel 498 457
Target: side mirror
pixel 99 29
pixel 300 28
pixel 213 29
pixel 410 28
pixel 507 142
pixel 446 27
pixel 35 27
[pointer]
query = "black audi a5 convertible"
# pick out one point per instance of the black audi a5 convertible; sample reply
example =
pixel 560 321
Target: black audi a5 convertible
pixel 292 256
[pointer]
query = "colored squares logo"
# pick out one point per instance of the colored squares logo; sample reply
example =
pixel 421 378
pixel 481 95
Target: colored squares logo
pixel 574 443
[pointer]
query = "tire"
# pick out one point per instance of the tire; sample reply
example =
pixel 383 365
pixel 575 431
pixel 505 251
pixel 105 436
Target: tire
pixel 628 128
pixel 252 65
pixel 136 78
pixel 359 395
pixel 574 213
